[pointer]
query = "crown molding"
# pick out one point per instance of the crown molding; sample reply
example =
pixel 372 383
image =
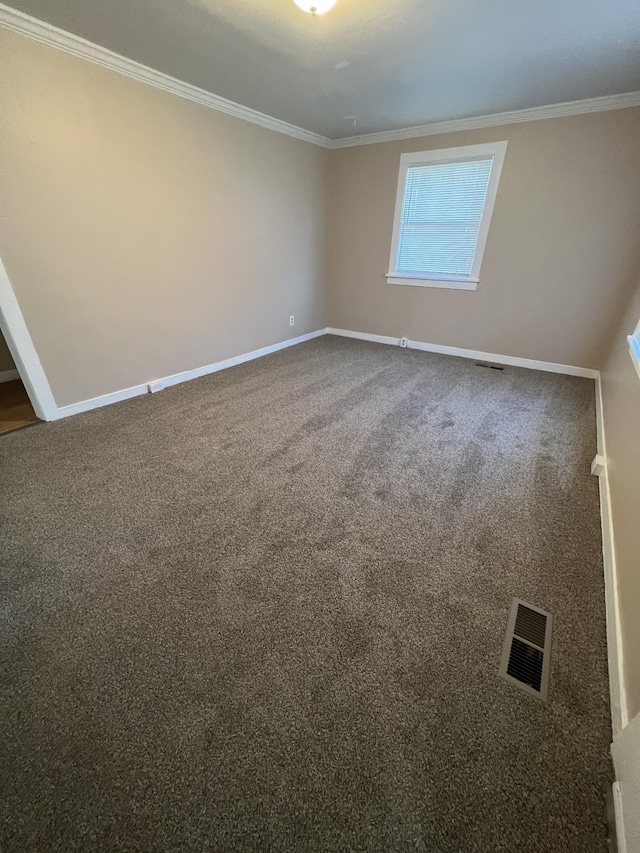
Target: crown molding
pixel 33 28
pixel 568 108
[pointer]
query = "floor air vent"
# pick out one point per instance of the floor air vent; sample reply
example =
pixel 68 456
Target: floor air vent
pixel 527 649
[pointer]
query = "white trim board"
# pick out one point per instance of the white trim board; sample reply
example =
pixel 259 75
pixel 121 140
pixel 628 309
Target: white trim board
pixel 176 378
pixel 34 28
pixel 9 375
pixel 618 810
pixel 185 376
pixel 619 714
pixel 512 361
pixel 99 402
pixel 568 108
pixel 625 751
pixel 24 353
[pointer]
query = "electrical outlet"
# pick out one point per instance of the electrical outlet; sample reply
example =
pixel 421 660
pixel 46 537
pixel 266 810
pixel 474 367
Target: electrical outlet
pixel 404 342
pixel 292 320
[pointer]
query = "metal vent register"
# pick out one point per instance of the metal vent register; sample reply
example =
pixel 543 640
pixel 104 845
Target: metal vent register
pixel 526 652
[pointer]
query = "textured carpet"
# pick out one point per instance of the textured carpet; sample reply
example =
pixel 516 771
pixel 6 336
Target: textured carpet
pixel 264 611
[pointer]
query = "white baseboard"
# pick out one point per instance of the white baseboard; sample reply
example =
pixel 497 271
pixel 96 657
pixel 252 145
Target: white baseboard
pixel 621 841
pixel 186 375
pixel 8 375
pixel 176 378
pixel 619 716
pixel 98 402
pixel 512 361
pixel 363 336
pixel 625 751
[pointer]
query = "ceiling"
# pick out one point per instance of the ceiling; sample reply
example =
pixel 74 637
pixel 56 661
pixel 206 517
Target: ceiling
pixel 371 65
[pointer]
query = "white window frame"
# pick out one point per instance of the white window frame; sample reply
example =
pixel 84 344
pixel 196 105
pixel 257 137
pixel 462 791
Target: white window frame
pixel 447 155
pixel 634 348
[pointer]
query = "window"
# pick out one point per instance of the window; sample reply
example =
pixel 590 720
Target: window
pixel 443 210
pixel 634 346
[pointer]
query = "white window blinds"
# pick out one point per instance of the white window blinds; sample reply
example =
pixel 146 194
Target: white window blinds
pixel 441 216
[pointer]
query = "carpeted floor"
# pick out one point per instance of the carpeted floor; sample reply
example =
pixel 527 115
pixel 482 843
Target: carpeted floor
pixel 263 611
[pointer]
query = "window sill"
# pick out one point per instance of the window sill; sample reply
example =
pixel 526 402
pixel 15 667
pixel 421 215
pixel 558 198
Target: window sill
pixel 453 282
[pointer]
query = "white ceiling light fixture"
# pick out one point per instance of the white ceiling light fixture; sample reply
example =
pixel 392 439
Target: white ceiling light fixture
pixel 315 7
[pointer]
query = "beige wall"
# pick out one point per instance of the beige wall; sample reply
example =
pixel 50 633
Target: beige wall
pixel 562 243
pixel 621 405
pixel 6 361
pixel 145 234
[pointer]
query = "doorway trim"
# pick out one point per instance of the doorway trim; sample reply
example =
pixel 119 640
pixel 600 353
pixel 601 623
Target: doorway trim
pixel 28 365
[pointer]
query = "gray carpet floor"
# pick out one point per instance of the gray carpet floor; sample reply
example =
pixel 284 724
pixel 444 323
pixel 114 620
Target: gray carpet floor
pixel 264 610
